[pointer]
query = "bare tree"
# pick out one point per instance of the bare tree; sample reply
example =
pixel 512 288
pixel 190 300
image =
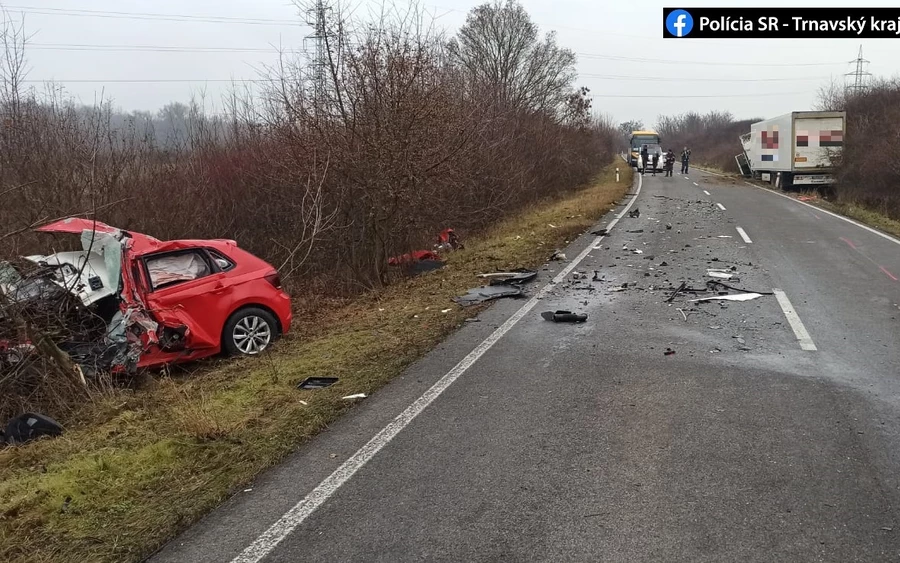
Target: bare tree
pixel 504 57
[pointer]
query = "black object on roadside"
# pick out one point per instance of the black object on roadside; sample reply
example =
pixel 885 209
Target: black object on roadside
pixel 317 382
pixel 676 292
pixel 564 316
pixel 515 277
pixel 600 232
pixel 669 352
pixel 488 293
pixel 30 426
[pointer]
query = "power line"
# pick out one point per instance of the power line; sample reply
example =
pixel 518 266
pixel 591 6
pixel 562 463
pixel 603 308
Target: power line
pixel 666 96
pixel 711 63
pixel 148 80
pixel 148 16
pixel 662 79
pixel 149 48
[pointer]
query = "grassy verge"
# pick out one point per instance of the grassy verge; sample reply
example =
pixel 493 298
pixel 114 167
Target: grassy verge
pixel 862 214
pixel 138 467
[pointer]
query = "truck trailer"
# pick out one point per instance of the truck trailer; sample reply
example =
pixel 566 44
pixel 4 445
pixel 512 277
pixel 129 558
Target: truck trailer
pixel 796 149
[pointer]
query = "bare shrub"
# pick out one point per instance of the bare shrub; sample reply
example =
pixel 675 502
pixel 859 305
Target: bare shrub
pixel 869 169
pixel 394 134
pixel 712 137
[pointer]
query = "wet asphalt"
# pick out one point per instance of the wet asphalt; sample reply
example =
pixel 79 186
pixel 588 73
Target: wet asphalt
pixel 587 442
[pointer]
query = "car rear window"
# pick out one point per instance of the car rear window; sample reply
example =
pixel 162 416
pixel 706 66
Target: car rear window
pixel 223 262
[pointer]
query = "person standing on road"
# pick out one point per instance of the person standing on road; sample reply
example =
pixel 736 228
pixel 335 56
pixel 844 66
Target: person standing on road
pixel 685 159
pixel 670 162
pixel 645 153
pixel 655 161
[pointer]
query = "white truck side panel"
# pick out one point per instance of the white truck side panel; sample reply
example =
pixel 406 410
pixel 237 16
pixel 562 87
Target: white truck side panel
pixel 771 144
pixel 816 140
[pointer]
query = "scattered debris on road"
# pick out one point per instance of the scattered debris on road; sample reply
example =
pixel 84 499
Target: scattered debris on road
pixel 558 256
pixel 514 277
pixel 488 293
pixel 634 214
pixel 355 396
pixel 721 274
pixel 732 297
pixel 669 352
pixel 317 382
pixel 600 232
pixel 564 316
pixel 676 292
pixel 635 231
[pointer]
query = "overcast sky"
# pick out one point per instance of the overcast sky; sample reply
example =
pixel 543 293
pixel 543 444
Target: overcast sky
pixel 71 44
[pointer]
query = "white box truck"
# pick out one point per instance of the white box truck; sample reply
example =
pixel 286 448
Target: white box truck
pixel 796 149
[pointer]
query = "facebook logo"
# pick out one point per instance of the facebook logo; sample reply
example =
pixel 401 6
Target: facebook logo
pixel 679 23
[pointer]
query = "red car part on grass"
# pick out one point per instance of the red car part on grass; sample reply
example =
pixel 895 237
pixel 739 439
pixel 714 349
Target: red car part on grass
pixel 182 300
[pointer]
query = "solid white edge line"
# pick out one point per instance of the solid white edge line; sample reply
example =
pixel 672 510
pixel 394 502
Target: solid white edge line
pixel 793 319
pixel 841 217
pixel 722 207
pixel 706 192
pixel 277 532
pixel 744 236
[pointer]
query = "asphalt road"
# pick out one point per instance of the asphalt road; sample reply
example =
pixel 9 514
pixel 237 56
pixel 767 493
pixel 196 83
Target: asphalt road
pixel 587 442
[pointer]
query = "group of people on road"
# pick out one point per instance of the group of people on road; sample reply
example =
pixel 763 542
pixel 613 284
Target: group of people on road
pixel 669 162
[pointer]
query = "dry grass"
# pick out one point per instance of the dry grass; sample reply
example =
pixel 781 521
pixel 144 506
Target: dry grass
pixel 140 466
pixel 873 218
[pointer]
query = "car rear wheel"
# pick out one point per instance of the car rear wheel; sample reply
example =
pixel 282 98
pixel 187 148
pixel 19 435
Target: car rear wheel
pixel 249 331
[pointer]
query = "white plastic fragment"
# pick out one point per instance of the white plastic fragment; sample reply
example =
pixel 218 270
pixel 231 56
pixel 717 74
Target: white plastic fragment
pixel 736 297
pixel 356 396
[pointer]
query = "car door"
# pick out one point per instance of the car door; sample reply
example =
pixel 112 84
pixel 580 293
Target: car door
pixel 187 288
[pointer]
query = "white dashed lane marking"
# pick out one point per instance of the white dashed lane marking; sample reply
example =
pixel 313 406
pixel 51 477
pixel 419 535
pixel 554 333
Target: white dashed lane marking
pixel 793 319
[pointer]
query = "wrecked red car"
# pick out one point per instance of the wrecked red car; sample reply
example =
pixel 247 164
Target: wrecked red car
pixel 167 301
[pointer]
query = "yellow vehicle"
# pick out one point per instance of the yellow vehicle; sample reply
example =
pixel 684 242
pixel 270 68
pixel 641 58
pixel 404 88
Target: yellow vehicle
pixel 638 139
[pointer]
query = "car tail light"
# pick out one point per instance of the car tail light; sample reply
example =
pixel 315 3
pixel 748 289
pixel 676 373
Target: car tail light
pixel 274 279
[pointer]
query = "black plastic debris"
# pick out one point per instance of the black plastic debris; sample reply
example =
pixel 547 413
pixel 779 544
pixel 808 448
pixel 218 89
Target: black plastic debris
pixel 676 292
pixel 635 231
pixel 482 294
pixel 669 352
pixel 30 426
pixel 600 232
pixel 513 277
pixel 635 214
pixel 317 382
pixel 564 316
